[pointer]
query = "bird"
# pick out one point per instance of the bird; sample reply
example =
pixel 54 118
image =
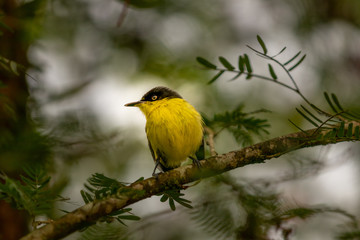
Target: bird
pixel 173 127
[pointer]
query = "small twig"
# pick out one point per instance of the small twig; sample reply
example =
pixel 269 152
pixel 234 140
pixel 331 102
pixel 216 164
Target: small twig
pixel 259 77
pixel 122 14
pixel 210 142
pixel 296 87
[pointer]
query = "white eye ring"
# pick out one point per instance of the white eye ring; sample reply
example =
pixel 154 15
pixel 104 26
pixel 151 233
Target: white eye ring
pixel 154 97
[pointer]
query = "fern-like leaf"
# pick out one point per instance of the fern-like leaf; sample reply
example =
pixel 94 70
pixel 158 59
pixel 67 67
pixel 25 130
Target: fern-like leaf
pixel 99 187
pixel 214 219
pixel 226 63
pixel 241 125
pixel 31 193
pixel 174 196
pixel 216 77
pixel 262 44
pixel 205 63
pixel 292 59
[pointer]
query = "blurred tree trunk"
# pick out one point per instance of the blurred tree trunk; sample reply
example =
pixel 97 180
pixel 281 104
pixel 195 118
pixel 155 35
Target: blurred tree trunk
pixel 13 112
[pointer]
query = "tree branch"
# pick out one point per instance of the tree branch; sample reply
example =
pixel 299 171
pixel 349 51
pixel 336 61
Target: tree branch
pixel 258 153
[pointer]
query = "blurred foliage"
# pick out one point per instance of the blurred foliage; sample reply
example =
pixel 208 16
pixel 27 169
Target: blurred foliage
pixel 104 231
pixel 308 17
pixel 252 210
pixel 31 192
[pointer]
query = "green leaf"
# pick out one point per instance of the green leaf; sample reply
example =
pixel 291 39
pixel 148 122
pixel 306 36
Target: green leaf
pixel 333 133
pixel 119 220
pixel 216 77
pixel 247 63
pixel 336 101
pixel 341 130
pixel 84 196
pixel 357 132
pixel 121 211
pixel 44 183
pixel 329 135
pixel 281 51
pixel 307 118
pixel 241 64
pixel 241 125
pixel 172 204
pixel 185 203
pixel 164 198
pixel 129 217
pixel 296 126
pixel 349 132
pixel 297 64
pixel 292 59
pixel 226 63
pixel 236 76
pixel 205 63
pixel 312 115
pixel 272 72
pixel 262 44
pixel 329 102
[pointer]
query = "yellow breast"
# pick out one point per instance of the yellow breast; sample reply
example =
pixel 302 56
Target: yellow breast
pixel 174 128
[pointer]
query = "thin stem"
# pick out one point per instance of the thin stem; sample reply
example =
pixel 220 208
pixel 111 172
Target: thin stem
pixel 210 141
pixel 260 77
pixel 123 13
pixel 296 89
pixel 327 120
pixel 284 68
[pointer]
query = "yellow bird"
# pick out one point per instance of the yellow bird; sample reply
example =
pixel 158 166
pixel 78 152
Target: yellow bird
pixel 174 128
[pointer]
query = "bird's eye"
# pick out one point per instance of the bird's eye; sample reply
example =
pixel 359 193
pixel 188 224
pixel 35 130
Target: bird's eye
pixel 154 97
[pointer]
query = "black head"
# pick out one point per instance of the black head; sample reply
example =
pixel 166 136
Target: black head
pixel 155 94
pixel 159 93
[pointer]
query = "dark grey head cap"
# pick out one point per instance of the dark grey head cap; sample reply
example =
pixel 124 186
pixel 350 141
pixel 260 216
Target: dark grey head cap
pixel 155 94
pixel 159 93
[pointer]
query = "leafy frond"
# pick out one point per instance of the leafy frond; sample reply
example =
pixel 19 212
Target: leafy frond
pixel 262 44
pixel 30 193
pixel 11 66
pixel 205 63
pixel 342 124
pixel 245 67
pixel 120 216
pixel 242 125
pixel 337 108
pixel 226 63
pixel 104 231
pixel 174 196
pixel 99 187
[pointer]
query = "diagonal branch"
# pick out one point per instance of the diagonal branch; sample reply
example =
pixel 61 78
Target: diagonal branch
pixel 137 191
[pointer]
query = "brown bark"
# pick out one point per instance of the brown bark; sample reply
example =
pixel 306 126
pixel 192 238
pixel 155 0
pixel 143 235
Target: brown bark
pixel 13 111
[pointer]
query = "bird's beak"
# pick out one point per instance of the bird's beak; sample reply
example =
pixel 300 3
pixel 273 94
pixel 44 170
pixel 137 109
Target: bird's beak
pixel 133 104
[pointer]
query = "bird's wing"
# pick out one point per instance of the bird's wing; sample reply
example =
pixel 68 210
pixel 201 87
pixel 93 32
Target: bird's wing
pixel 159 159
pixel 200 153
pixel 151 150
